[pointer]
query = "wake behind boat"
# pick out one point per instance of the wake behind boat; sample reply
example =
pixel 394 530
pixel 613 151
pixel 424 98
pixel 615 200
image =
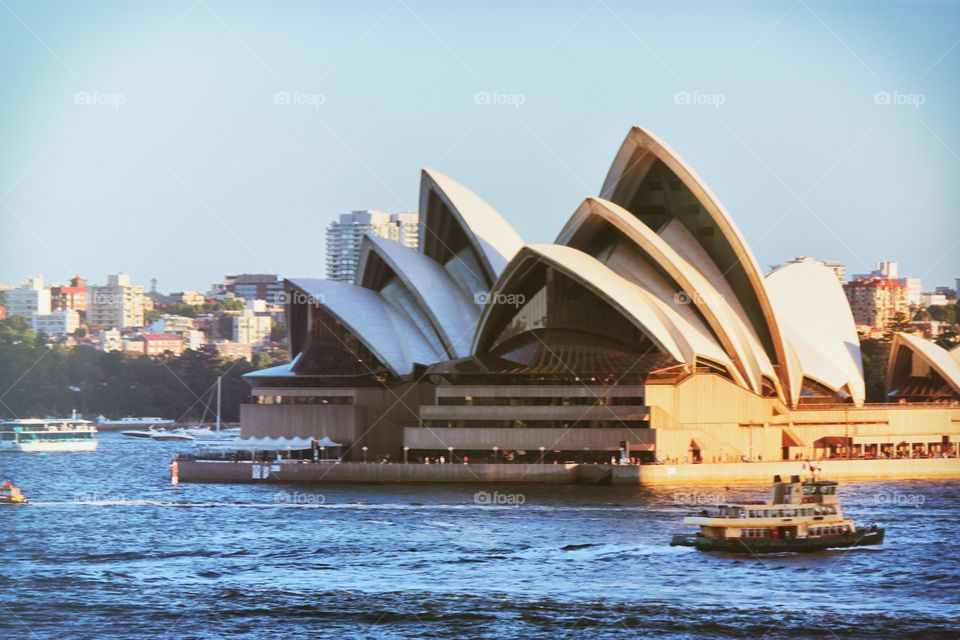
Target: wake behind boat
pixel 802 516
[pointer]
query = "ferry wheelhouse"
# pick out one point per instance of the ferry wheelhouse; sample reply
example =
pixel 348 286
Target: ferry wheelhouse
pixel 48 436
pixel 802 516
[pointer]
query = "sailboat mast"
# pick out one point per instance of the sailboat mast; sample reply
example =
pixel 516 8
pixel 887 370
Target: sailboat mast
pixel 219 380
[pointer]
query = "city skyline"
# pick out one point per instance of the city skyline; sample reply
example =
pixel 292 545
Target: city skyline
pixel 185 141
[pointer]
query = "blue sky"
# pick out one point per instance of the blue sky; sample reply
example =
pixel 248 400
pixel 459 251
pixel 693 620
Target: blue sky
pixel 144 137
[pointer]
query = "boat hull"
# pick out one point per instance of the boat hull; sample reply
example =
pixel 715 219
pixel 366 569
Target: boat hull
pixel 55 446
pixel 769 545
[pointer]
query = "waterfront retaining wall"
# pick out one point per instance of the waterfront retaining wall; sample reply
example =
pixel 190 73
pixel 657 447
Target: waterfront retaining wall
pixel 758 472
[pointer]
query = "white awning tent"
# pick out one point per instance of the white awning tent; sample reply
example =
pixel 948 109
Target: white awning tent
pixel 271 444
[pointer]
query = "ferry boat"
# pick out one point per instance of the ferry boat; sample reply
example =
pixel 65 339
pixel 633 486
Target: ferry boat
pixel 802 516
pixel 48 435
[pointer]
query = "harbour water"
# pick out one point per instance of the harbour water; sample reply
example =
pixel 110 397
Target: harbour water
pixel 108 549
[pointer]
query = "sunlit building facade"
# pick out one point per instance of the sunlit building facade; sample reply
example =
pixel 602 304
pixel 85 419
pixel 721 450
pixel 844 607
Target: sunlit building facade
pixel 645 332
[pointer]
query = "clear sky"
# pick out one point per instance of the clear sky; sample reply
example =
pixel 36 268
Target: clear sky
pixel 145 136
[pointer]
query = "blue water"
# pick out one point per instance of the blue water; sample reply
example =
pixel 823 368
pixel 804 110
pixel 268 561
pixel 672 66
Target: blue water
pixel 108 549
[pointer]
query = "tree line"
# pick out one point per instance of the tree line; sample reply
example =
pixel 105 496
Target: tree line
pixel 37 380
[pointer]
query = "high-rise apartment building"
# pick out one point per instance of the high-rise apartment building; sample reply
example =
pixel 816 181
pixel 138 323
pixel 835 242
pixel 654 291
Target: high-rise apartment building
pixel 116 305
pixel 344 236
pixel 31 298
pixel 876 301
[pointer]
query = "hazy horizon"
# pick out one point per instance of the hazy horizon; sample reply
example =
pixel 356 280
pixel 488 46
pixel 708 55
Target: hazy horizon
pixel 150 139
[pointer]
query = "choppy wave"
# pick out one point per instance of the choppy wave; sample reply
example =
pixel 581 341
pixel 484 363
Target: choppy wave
pixel 135 558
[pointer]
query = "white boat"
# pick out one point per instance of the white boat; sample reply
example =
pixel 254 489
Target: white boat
pixel 130 423
pixel 172 434
pixel 143 434
pixel 48 435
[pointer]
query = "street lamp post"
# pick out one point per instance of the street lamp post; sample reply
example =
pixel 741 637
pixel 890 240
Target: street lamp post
pixel 364 449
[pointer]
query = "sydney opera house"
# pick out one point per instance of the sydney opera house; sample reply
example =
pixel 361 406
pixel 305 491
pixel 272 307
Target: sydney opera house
pixel 645 330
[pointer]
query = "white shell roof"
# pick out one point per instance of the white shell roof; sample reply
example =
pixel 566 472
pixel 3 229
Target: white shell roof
pixel 738 341
pixel 939 359
pixel 494 239
pixel 814 313
pixel 642 305
pixel 389 335
pixel 624 164
pixel 452 312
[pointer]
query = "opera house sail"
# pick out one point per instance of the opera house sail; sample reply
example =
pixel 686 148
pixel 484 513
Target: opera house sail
pixel 646 331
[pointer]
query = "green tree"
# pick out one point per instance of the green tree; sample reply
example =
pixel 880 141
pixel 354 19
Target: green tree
pixel 943 313
pixel 236 304
pixel 875 354
pixel 900 323
pixel 16 330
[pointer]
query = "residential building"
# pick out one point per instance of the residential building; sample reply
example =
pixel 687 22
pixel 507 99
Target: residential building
pixel 933 299
pixel 951 294
pixel 345 235
pixel 118 304
pixel 252 328
pixel 193 298
pixel 232 350
pixel 914 290
pixel 30 298
pixel 72 296
pixel 254 286
pixel 169 323
pixel 134 345
pixel 193 339
pixel 875 301
pixel 56 323
pixel 158 344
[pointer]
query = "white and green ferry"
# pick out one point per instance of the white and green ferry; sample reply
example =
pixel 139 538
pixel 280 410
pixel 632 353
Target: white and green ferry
pixel 48 435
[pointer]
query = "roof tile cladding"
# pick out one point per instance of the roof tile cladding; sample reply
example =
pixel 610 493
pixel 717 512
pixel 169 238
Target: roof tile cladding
pixel 656 246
